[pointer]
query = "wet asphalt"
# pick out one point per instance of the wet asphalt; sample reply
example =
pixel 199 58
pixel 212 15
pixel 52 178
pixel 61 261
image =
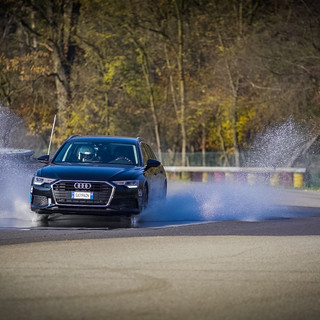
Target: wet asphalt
pixel 84 268
pixel 295 212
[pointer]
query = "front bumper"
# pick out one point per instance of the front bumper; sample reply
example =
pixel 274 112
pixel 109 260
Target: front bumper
pixel 107 199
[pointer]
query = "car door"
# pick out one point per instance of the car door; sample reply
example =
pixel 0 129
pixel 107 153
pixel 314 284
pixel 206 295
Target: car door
pixel 158 177
pixel 151 173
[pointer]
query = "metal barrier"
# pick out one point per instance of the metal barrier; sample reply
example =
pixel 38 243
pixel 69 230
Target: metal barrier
pixel 11 160
pixel 287 177
pixel 9 153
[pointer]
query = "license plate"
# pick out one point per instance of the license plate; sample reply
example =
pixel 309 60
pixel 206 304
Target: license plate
pixel 82 195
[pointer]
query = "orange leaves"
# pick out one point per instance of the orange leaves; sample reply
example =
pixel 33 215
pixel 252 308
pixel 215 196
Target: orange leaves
pixel 27 67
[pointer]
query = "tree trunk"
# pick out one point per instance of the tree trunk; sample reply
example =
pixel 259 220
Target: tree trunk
pixel 61 90
pixel 234 130
pixel 234 85
pixel 173 94
pixel 63 32
pixel 223 148
pixel 302 150
pixel 146 71
pixel 181 118
pixel 203 144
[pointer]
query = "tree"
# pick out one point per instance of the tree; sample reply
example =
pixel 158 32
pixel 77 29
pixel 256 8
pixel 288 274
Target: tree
pixel 194 75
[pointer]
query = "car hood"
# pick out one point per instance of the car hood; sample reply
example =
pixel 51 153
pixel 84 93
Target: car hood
pixel 93 173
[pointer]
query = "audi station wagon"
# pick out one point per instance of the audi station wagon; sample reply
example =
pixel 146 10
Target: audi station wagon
pixel 114 176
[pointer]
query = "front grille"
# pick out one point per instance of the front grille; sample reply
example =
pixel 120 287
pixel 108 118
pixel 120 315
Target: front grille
pixel 40 200
pixel 124 200
pixel 125 203
pixel 102 192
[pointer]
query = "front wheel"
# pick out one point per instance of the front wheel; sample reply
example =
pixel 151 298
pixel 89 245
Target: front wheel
pixel 163 195
pixel 128 221
pixel 145 198
pixel 39 217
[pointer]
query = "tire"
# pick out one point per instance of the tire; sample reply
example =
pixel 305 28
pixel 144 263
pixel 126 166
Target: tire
pixel 145 198
pixel 128 221
pixel 40 217
pixel 164 191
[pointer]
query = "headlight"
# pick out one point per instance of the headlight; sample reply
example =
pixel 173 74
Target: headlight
pixel 41 180
pixel 131 184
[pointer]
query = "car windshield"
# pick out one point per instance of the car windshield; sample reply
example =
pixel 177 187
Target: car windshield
pixel 97 152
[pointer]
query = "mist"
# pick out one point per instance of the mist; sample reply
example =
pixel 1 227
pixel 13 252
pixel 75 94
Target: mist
pixel 186 202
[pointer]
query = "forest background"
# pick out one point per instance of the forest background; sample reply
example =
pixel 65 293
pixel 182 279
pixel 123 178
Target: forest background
pixel 187 75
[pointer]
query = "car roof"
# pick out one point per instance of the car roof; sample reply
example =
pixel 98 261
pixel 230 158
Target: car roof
pixel 105 138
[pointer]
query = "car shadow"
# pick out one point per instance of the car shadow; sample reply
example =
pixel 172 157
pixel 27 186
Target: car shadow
pixel 83 222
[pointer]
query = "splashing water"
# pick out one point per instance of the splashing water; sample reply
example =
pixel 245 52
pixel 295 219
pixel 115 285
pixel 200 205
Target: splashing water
pixel 15 171
pixel 216 202
pixel 15 185
pixel 278 146
pixel 194 202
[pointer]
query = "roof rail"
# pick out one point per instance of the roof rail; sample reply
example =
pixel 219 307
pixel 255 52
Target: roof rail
pixel 73 136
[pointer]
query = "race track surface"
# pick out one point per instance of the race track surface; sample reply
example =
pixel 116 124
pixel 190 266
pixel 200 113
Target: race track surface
pixel 240 266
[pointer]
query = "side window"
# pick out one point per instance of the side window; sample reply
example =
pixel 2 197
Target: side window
pixel 144 153
pixel 151 153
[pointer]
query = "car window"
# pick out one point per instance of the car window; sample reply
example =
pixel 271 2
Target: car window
pixel 97 152
pixel 145 154
pixel 150 152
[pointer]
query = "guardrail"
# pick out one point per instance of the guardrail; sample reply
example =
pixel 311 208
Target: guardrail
pixel 9 153
pixel 288 177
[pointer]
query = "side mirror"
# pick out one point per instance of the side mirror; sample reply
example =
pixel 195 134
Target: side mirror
pixel 44 159
pixel 152 163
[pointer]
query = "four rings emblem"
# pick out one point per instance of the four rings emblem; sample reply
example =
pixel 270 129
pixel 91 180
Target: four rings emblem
pixel 82 185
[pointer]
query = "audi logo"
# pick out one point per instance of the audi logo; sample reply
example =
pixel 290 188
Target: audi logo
pixel 82 185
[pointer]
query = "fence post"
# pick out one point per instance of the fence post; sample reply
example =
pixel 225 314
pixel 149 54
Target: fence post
pixel 274 180
pixel 219 176
pixel 297 180
pixel 286 179
pixel 251 178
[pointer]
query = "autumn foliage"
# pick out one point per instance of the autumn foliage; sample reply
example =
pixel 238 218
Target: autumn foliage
pixel 198 75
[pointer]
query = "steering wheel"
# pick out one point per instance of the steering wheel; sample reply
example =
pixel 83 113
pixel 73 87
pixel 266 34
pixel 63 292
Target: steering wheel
pixel 121 159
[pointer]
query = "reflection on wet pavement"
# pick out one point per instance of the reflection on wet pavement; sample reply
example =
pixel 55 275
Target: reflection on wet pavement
pixel 83 222
pixel 67 221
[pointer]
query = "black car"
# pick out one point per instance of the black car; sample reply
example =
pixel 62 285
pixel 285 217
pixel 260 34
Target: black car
pixel 98 175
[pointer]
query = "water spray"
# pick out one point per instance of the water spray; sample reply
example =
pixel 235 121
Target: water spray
pixel 194 202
